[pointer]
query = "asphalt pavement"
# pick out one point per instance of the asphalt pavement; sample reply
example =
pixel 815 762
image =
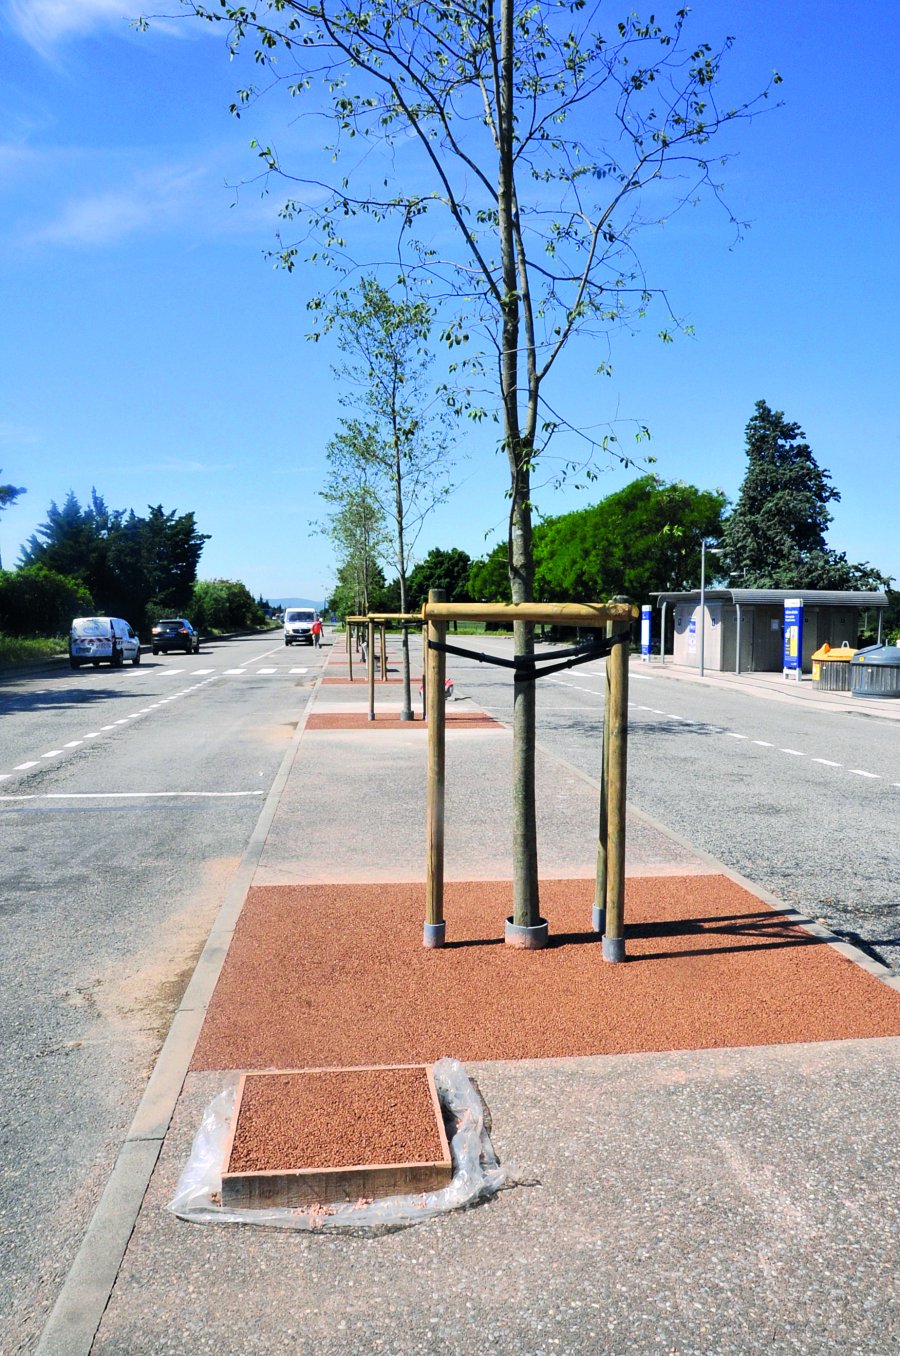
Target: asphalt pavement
pixel 707 1201
pixel 127 799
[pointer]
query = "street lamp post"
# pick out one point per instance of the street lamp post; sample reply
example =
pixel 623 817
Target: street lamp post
pixel 713 551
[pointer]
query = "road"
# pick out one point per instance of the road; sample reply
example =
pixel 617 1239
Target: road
pixel 126 800
pixel 801 800
pixel 128 796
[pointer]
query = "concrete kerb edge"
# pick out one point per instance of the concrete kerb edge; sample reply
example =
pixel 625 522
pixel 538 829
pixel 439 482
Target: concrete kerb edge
pixel 76 1316
pixel 877 969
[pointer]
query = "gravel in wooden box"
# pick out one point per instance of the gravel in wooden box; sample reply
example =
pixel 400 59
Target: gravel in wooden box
pixel 321 1136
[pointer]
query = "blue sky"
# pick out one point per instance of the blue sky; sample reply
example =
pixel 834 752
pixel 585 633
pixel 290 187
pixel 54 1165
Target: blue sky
pixel 150 349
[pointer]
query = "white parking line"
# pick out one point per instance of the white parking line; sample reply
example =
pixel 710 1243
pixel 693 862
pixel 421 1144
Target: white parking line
pixel 858 772
pixel 22 767
pixel 732 735
pixel 73 743
pixel 201 671
pixel 265 670
pixel 138 795
pixel 794 752
pixel 299 670
pixel 827 762
pixel 235 672
pixel 54 753
pixel 764 743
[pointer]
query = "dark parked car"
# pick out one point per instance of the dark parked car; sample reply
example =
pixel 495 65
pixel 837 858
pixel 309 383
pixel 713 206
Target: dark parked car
pixel 174 633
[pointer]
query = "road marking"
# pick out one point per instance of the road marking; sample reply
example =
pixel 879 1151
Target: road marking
pixel 136 795
pixel 200 671
pixel 266 670
pixel 73 743
pixel 794 752
pixel 731 735
pixel 827 762
pixel 54 753
pixel 92 734
pixel 106 727
pixel 299 670
pixel 5 776
pixel 123 721
pixel 764 743
pixel 236 672
pixel 858 772
pixel 167 672
pixel 21 767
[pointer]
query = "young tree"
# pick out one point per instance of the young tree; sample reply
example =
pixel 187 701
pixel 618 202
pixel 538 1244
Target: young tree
pixel 357 530
pixel 397 453
pixel 775 538
pixel 544 144
pixel 8 495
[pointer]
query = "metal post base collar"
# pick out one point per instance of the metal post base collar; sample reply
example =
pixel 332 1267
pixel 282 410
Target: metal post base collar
pixel 529 939
pixel 433 934
pixel 613 948
pixel 598 918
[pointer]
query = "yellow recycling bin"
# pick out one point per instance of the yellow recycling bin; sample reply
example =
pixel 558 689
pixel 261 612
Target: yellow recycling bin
pixel 831 668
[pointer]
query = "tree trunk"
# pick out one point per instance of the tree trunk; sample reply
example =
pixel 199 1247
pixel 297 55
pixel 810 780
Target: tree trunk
pixel 526 892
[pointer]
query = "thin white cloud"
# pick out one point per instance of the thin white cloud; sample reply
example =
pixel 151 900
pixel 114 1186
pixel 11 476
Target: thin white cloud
pixel 179 465
pixel 18 433
pixel 154 199
pixel 44 23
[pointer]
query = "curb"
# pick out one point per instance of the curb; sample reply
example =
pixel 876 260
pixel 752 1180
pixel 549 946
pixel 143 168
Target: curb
pixel 76 1316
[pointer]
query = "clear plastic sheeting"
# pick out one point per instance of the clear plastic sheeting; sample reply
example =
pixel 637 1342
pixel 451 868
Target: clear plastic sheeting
pixel 477 1172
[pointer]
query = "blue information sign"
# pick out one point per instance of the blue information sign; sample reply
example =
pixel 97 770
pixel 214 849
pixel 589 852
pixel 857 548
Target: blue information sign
pixel 792 658
pixel 646 614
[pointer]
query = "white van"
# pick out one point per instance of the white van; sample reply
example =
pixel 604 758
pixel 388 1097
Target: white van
pixel 298 624
pixel 96 640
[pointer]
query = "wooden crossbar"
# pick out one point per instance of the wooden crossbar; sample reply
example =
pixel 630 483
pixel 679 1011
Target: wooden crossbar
pixel 560 614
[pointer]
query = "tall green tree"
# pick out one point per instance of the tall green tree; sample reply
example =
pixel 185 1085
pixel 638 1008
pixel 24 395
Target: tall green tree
pixel 394 444
pixel 224 605
pixel 643 539
pixel 74 541
pixel 775 537
pixel 39 602
pixel 518 146
pixel 441 569
pixel 124 561
pixel 152 564
pixel 8 496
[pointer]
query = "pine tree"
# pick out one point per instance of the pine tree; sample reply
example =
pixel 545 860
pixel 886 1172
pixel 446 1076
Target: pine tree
pixel 775 538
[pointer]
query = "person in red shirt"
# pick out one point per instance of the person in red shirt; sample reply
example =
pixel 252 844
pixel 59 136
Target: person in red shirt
pixel 317 632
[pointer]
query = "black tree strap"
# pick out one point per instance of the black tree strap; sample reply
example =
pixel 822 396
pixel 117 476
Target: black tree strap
pixel 527 667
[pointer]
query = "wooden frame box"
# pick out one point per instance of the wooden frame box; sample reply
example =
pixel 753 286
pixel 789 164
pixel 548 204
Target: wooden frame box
pixel 307 1119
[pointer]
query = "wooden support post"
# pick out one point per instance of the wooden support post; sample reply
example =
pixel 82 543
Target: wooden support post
pixel 350 649
pixel 434 669
pixel 370 668
pixel 617 755
pixel 383 628
pixel 598 921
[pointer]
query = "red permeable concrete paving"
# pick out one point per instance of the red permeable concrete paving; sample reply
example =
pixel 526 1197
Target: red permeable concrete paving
pixel 333 975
